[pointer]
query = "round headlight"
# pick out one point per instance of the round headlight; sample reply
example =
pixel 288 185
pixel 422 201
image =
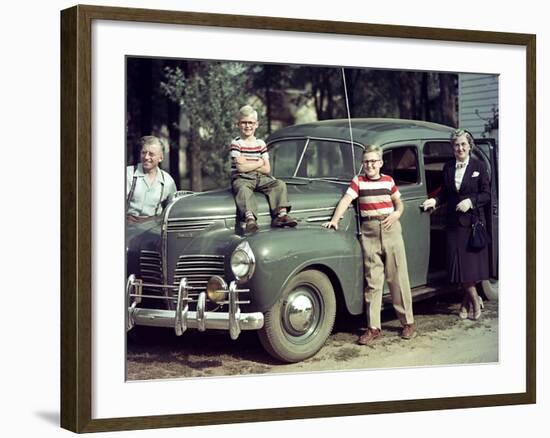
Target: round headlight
pixel 216 289
pixel 242 262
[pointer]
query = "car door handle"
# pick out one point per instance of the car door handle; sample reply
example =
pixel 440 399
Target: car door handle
pixel 429 210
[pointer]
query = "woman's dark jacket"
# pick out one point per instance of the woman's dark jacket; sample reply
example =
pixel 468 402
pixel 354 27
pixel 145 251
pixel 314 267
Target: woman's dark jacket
pixel 477 188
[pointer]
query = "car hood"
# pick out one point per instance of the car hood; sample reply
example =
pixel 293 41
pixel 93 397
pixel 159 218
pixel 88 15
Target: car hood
pixel 303 194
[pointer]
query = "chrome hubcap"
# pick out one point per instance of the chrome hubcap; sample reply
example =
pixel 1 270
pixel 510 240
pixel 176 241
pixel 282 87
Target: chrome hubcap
pixel 300 316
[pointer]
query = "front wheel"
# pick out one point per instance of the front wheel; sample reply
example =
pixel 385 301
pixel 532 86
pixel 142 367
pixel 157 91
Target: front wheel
pixel 490 289
pixel 300 321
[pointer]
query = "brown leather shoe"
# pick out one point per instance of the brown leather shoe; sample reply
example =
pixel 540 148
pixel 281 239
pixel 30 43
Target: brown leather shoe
pixel 369 336
pixel 251 226
pixel 409 331
pixel 284 221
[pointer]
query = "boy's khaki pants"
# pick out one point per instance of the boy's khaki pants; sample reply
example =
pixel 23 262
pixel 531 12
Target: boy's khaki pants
pixel 245 184
pixel 384 257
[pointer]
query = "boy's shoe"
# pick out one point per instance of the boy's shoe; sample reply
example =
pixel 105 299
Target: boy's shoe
pixel 284 221
pixel 369 337
pixel 251 226
pixel 409 331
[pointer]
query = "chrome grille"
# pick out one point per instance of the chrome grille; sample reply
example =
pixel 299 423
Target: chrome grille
pixel 187 225
pixel 151 270
pixel 149 263
pixel 198 269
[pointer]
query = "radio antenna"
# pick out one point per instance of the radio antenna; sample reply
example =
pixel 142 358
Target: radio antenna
pixel 357 214
pixel 349 117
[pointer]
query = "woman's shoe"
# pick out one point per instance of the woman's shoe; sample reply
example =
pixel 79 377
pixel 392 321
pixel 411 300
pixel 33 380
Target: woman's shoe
pixel 464 308
pixel 477 312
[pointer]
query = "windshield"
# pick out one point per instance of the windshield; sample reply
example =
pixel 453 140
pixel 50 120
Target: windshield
pixel 284 157
pixel 314 159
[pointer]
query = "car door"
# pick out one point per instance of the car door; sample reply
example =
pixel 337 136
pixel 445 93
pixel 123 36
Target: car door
pixel 436 154
pixel 404 163
pixel 487 151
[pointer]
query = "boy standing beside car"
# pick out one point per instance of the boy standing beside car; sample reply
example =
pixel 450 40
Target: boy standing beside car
pixel 382 243
pixel 250 172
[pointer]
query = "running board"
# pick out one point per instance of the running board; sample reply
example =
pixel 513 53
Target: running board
pixel 423 292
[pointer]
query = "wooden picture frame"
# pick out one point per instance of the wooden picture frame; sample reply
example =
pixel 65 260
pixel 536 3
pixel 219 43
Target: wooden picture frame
pixel 76 217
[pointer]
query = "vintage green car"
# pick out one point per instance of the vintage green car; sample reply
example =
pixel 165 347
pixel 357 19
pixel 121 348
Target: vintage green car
pixel 195 268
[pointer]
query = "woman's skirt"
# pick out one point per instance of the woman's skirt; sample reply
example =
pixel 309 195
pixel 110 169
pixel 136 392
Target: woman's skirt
pixel 464 265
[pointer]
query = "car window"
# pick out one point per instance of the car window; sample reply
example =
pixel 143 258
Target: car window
pixel 327 159
pixel 284 156
pixel 436 154
pixel 401 163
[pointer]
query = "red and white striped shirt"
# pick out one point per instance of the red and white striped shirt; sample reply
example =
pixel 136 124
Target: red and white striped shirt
pixel 375 196
pixel 239 147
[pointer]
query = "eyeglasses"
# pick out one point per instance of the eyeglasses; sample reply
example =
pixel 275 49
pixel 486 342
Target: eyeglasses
pixel 246 123
pixel 372 162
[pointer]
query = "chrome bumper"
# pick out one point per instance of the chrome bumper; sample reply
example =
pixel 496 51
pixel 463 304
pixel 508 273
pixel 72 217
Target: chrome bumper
pixel 182 318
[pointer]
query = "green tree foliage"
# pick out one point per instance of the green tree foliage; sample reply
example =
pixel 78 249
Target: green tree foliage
pixel 196 102
pixel 209 95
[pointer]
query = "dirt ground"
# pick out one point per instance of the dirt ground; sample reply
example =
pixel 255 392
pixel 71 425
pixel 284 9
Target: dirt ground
pixel 442 339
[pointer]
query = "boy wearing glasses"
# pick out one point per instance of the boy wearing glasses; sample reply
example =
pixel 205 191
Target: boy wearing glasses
pixel 380 208
pixel 250 172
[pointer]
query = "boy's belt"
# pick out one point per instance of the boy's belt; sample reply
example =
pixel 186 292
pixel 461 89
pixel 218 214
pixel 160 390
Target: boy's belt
pixel 375 218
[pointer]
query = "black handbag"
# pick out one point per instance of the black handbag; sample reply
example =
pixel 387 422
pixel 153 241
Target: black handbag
pixel 479 238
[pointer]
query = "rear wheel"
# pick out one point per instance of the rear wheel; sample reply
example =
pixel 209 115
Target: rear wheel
pixel 300 321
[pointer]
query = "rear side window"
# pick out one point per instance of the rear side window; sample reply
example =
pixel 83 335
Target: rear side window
pixel 436 154
pixel 401 163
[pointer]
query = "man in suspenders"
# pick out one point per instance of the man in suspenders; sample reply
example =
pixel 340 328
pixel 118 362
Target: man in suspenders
pixel 148 187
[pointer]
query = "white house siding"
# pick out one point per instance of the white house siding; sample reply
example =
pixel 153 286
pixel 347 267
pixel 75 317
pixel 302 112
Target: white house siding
pixel 477 93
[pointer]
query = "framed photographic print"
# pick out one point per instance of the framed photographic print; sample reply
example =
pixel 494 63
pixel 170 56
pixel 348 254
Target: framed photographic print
pixel 323 91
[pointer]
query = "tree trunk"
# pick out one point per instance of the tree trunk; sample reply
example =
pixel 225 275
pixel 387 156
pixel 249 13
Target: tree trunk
pixel 145 95
pixel 424 98
pixel 268 104
pixel 447 99
pixel 145 92
pixel 194 155
pixel 193 146
pixel 174 133
pixel 319 96
pixel 353 78
pixel 406 95
pixel 330 101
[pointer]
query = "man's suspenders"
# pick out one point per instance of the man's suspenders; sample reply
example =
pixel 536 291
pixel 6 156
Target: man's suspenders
pixel 133 188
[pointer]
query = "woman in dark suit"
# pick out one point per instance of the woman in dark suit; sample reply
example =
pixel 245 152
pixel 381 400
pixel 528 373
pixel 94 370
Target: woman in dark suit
pixel 465 190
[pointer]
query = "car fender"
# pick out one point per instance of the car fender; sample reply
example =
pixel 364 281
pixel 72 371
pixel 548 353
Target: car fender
pixel 282 253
